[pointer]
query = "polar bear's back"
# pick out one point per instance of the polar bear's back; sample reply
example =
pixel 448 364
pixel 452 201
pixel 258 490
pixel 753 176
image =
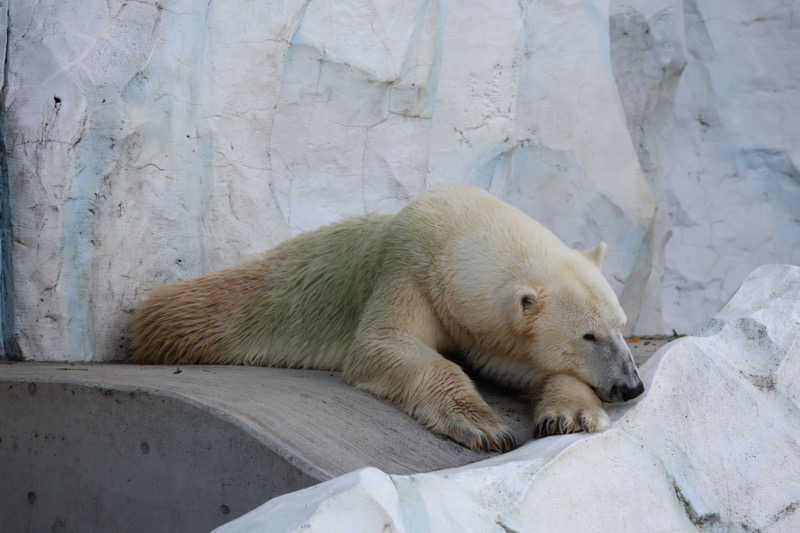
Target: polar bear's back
pixel 295 306
pixel 467 231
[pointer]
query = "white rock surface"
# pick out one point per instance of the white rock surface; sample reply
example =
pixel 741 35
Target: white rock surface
pixel 713 445
pixel 152 141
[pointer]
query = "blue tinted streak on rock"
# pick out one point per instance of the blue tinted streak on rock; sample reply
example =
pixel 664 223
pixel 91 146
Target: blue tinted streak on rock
pixel 8 341
pixel 95 158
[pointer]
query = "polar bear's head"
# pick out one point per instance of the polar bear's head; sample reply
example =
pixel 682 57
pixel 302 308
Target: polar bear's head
pixel 521 294
pixel 577 327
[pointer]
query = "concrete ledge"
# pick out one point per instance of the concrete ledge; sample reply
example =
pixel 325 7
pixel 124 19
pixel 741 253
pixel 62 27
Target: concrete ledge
pixel 133 448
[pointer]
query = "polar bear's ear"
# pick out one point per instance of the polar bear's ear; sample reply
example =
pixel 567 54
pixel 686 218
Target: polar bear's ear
pixel 529 301
pixel 596 254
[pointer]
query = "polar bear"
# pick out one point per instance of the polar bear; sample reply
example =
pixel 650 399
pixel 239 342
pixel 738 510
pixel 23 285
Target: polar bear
pixel 382 297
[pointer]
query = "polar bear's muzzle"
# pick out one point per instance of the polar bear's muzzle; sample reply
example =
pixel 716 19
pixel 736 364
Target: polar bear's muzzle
pixel 624 390
pixel 625 393
pixel 619 373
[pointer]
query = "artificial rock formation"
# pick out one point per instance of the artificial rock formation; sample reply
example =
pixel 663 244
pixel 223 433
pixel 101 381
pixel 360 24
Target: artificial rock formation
pixel 152 141
pixel 713 445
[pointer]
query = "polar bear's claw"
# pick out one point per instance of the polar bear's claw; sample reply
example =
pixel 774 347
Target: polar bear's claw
pixel 505 442
pixel 500 440
pixel 560 425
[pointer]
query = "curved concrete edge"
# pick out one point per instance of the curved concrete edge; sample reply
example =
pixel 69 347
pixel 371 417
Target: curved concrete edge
pixel 76 457
pixel 199 402
pixel 311 419
pixel 713 445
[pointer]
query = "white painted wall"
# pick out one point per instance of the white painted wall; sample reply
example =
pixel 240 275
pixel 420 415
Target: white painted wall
pixel 149 142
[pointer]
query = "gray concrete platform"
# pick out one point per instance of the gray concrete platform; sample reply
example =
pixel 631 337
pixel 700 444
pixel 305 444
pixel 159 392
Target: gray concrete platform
pixel 120 447
pixel 114 447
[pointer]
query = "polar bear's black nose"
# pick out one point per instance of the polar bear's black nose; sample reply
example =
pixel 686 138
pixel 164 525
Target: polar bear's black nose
pixel 625 393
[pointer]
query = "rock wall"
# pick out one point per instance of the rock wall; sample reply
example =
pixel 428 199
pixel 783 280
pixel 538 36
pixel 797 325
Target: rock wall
pixel 152 141
pixel 708 90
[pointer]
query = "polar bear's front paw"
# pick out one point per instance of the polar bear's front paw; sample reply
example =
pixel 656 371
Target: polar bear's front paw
pixel 567 405
pixel 560 421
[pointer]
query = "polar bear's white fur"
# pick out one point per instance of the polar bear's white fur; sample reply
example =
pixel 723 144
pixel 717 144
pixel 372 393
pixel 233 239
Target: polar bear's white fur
pixel 381 297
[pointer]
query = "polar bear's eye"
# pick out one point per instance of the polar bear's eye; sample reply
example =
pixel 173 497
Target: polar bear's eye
pixel 527 302
pixel 589 337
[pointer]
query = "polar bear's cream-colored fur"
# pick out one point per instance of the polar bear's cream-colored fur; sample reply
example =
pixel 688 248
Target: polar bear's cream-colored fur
pixel 381 297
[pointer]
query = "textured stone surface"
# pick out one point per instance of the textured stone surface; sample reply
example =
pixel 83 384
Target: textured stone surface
pixel 713 445
pixel 152 141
